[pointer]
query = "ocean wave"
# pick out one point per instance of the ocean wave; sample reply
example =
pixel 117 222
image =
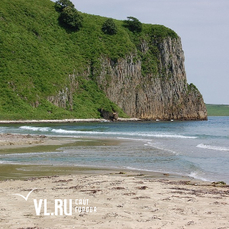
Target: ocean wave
pixel 33 128
pixel 170 136
pixel 135 134
pixel 80 132
pixel 62 131
pixel 157 135
pixel 218 148
pixel 195 175
pixel 135 139
pixel 161 148
pixel 10 162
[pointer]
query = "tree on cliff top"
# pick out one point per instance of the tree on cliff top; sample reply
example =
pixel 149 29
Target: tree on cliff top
pixel 61 4
pixel 109 27
pixel 133 24
pixel 69 16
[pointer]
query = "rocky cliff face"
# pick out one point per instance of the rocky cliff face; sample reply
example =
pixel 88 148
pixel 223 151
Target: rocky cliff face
pixel 149 83
pixel 158 93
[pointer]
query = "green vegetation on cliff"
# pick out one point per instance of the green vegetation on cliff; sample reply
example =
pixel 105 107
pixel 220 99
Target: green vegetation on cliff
pixel 40 57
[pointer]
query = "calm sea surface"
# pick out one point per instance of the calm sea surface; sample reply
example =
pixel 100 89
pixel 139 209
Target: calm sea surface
pixel 199 149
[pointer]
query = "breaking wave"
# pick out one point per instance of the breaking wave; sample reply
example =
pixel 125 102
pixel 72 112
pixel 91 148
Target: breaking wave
pixel 105 133
pixel 218 148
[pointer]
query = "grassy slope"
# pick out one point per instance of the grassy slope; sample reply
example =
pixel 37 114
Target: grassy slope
pixel 37 55
pixel 217 110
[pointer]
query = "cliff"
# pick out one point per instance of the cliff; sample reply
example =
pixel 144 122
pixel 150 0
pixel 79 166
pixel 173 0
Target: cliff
pixel 163 94
pixel 51 72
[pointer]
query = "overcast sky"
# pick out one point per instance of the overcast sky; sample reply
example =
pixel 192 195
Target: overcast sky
pixel 203 26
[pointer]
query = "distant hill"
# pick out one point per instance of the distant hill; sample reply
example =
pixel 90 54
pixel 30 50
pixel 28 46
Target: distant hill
pixel 217 110
pixel 50 71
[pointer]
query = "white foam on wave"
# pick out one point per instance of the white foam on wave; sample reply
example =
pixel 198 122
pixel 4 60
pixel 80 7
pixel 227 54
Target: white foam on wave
pixel 156 135
pixel 9 162
pixel 79 132
pixel 170 136
pixel 161 148
pixel 137 169
pixel 33 128
pixel 218 148
pixel 196 176
pixel 62 131
pixel 135 139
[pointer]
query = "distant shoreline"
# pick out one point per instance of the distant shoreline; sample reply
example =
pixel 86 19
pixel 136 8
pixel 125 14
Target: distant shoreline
pixel 217 109
pixel 37 121
pixel 65 120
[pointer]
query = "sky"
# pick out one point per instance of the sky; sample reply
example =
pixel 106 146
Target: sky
pixel 203 26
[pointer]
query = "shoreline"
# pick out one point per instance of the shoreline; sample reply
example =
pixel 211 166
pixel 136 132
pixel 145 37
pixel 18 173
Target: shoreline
pixel 122 198
pixel 26 143
pixel 66 120
pixel 29 143
pixel 36 171
pixel 38 121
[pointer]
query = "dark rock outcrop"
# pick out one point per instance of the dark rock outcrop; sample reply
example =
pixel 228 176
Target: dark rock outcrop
pixel 113 116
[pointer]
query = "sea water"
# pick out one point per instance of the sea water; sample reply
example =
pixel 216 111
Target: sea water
pixel 198 149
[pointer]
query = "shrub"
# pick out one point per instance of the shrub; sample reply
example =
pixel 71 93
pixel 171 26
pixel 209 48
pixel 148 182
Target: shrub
pixel 109 27
pixel 61 4
pixel 71 17
pixel 161 31
pixel 133 24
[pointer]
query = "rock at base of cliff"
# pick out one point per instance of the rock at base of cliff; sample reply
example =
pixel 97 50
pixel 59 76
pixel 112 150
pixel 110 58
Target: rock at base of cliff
pixel 109 115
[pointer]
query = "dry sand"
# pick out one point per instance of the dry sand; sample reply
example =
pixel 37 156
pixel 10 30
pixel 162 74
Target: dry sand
pixel 121 200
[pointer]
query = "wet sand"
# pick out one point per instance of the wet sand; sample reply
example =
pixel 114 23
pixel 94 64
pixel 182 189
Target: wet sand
pixel 102 198
pixel 16 143
pixel 11 141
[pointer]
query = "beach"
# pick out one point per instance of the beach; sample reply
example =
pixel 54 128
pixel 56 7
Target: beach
pixel 113 200
pixel 10 141
pixel 93 198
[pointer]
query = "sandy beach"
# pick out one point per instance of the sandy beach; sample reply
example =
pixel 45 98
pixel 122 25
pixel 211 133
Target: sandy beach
pixel 87 198
pixel 112 200
pixel 10 141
